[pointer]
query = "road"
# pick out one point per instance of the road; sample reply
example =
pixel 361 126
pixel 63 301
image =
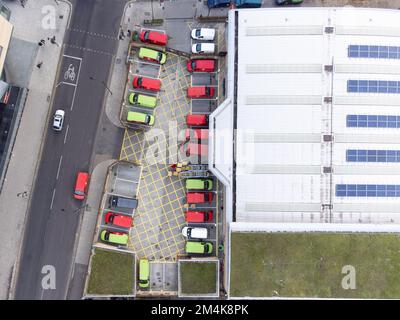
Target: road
pixel 54 215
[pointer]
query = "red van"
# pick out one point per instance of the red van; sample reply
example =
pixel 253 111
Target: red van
pixel 199 134
pixel 118 220
pixel 197 120
pixel 81 185
pixel 200 65
pixel 154 37
pixel 199 197
pixel 200 92
pixel 146 83
pixel 199 216
pixel 192 149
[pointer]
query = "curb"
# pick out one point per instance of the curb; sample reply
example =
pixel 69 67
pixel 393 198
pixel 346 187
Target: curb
pixel 17 261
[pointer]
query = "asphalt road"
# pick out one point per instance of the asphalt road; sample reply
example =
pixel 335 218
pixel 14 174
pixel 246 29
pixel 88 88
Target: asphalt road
pixel 54 215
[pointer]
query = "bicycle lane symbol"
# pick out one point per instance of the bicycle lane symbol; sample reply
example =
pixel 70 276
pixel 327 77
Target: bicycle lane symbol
pixel 70 74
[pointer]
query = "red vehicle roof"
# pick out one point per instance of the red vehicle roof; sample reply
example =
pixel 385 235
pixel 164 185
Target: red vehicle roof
pixel 200 65
pixel 118 220
pixel 199 216
pixel 195 149
pixel 197 120
pixel 198 134
pixel 146 83
pixel 199 197
pixel 200 92
pixel 154 37
pixel 81 184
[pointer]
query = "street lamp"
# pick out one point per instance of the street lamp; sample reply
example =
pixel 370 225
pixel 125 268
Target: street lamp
pixel 103 83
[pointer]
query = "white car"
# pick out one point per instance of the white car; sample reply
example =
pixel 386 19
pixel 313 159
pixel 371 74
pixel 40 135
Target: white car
pixel 203 48
pixel 203 34
pixel 58 120
pixel 195 233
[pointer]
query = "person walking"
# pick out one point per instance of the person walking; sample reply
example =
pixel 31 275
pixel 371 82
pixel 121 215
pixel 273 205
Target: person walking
pixel 41 42
pixel 39 65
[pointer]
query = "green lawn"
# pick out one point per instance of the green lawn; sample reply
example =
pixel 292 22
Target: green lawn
pixel 198 277
pixel 310 265
pixel 112 273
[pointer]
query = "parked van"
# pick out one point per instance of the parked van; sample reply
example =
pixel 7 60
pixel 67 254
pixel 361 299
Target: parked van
pixel 197 120
pixel 144 273
pixel 114 237
pixel 197 134
pixel 120 202
pixel 199 197
pixel 198 247
pixel 201 65
pixel 140 118
pixel 206 34
pixel 152 55
pixel 199 92
pixel 190 149
pixel 199 216
pixel 154 37
pixel 142 100
pixel 146 83
pixel 195 233
pixel 81 185
pixel 199 184
pixel 118 220
pixel 203 48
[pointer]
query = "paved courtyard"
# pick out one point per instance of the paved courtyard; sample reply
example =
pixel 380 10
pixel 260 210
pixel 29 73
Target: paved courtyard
pixel 159 217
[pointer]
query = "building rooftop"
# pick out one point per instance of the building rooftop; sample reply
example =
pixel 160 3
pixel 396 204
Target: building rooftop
pixel 313 95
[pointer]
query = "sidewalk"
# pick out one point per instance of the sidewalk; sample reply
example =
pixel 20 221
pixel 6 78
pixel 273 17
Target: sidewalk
pixel 24 158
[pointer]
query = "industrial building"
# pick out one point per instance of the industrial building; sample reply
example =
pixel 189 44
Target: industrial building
pixel 313 110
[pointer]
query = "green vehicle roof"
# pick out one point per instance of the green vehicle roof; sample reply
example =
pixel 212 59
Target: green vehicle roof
pixel 198 247
pixel 198 184
pixel 152 54
pixel 143 100
pixel 115 238
pixel 139 117
pixel 144 273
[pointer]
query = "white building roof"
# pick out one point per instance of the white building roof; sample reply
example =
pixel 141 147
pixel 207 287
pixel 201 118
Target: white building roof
pixel 282 166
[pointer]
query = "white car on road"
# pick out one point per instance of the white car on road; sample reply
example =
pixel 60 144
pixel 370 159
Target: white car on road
pixel 203 34
pixel 58 120
pixel 203 48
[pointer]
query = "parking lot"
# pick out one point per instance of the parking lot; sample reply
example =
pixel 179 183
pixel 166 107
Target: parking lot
pixel 122 181
pixel 160 216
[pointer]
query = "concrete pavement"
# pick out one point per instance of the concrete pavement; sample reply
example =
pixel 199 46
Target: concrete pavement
pixel 21 170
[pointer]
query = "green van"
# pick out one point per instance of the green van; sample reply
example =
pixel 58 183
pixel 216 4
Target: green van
pixel 152 55
pixel 144 273
pixel 142 100
pixel 199 184
pixel 139 117
pixel 114 237
pixel 193 247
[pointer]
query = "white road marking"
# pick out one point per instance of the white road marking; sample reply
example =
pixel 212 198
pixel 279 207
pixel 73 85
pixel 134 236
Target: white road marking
pixel 72 57
pixel 77 81
pixel 52 199
pixel 66 134
pixel 67 83
pixel 59 167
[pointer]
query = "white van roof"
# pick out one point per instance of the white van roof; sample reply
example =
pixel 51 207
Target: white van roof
pixel 196 233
